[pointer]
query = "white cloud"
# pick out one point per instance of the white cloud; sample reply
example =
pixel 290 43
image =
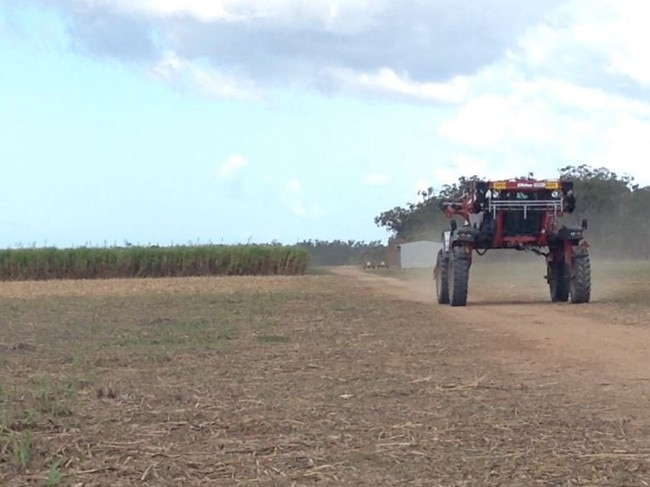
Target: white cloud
pixel 387 81
pixel 603 37
pixel 232 165
pixel 376 179
pixel 413 49
pixel 470 165
pixel 517 124
pixel 628 145
pixel 488 120
pixel 204 10
pixel 293 198
pixel 169 66
pixel 212 83
pixel 620 32
pixel 208 81
pixel 336 15
pixel 481 121
pixel 539 108
pixel 580 97
pixel 293 186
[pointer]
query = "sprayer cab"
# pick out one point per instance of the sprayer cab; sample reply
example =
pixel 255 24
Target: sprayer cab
pixel 519 214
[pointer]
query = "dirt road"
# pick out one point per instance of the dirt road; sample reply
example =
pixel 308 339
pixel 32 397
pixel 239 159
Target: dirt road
pixel 523 329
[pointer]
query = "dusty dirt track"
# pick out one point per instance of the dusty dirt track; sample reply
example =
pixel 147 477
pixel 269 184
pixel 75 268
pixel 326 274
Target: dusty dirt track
pixel 597 354
pixel 556 335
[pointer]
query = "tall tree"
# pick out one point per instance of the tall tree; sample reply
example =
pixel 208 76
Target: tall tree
pixel 610 201
pixel 416 220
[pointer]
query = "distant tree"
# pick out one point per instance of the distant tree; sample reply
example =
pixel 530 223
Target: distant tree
pixel 458 189
pixel 612 203
pixel 414 219
pixel 601 190
pixel 342 252
pixel 422 218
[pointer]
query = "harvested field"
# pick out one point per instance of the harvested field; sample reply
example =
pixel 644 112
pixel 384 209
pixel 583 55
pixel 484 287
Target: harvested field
pixel 349 378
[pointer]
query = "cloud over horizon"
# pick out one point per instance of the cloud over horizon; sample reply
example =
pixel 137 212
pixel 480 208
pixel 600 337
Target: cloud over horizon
pixel 293 198
pixel 415 48
pixel 231 166
pixel 376 179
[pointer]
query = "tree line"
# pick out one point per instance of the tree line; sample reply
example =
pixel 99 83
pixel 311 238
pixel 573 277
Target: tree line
pixel 618 211
pixel 342 252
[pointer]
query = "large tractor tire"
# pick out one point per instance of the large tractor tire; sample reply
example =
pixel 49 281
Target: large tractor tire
pixel 441 276
pixel 458 276
pixel 581 279
pixel 558 281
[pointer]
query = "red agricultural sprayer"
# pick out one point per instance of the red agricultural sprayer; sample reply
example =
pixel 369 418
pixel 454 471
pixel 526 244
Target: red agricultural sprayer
pixel 514 214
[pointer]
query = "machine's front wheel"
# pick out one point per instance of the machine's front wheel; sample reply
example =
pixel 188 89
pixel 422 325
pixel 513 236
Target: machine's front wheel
pixel 581 279
pixel 458 276
pixel 558 281
pixel 441 276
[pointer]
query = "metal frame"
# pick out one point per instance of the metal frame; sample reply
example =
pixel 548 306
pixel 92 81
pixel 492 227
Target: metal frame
pixel 535 205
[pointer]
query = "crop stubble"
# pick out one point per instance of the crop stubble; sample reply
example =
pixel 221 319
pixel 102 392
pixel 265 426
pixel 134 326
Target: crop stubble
pixel 306 380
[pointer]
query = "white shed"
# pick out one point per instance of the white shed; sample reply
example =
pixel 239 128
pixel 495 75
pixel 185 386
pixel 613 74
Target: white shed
pixel 419 254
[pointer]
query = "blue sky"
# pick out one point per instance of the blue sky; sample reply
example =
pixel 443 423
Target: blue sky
pixel 230 121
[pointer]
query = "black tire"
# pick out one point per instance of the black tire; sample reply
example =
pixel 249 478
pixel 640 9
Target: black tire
pixel 458 276
pixel 581 279
pixel 441 276
pixel 558 282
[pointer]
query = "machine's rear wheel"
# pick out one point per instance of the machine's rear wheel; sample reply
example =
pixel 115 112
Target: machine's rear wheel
pixel 581 279
pixel 441 276
pixel 458 276
pixel 558 281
